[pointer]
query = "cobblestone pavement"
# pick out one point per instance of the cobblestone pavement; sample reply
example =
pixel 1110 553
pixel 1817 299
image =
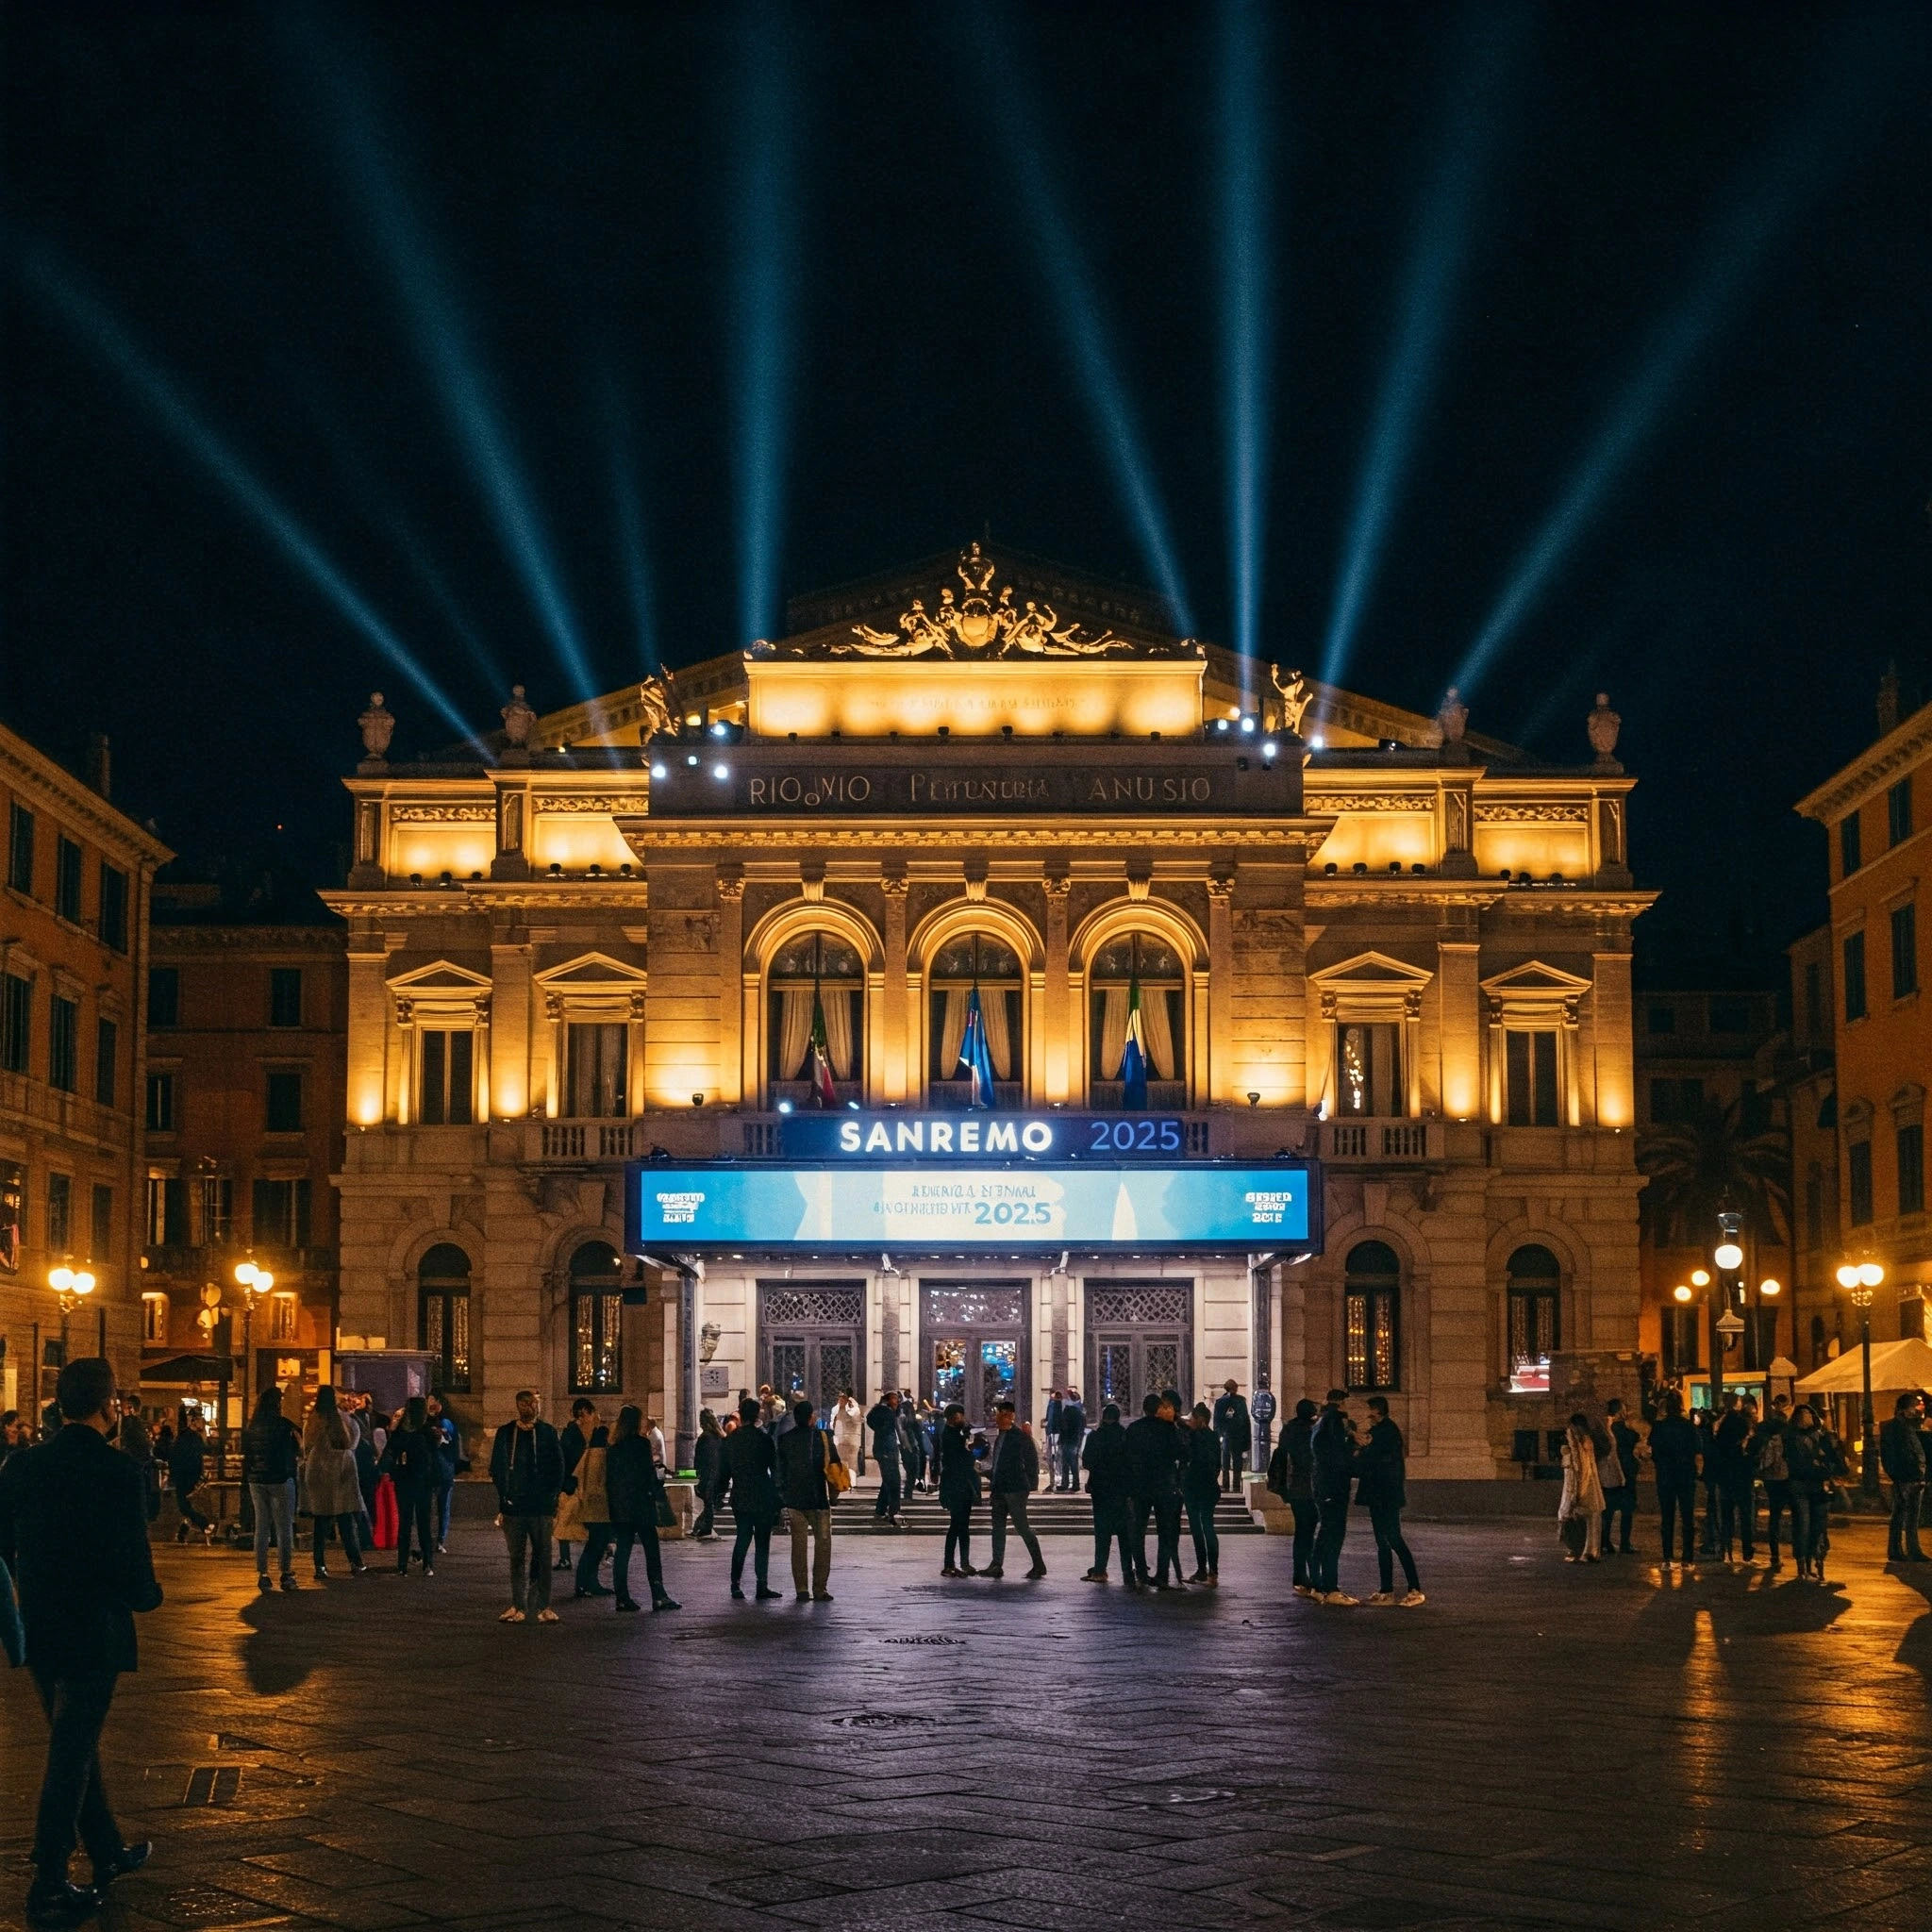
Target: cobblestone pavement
pixel 1539 1745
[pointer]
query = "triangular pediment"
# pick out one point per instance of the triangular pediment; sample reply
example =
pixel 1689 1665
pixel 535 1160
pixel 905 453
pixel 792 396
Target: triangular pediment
pixel 1372 972
pixel 590 970
pixel 1535 979
pixel 440 976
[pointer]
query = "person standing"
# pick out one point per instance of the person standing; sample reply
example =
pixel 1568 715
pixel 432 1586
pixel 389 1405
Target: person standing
pixel 526 1466
pixel 1675 1449
pixel 1814 1460
pixel 1381 1469
pixel 1291 1476
pixel 1331 1446
pixel 449 1453
pixel 1620 1499
pixel 329 1480
pixel 848 1430
pixel 1263 1409
pixel 635 1491
pixel 806 1455
pixel 1065 1441
pixel 958 1491
pixel 370 1441
pixel 1155 1445
pixel 1235 1429
pixel 751 1479
pixel 1705 1425
pixel 137 1446
pixel 1731 1444
pixel 414 1462
pixel 882 1419
pixel 1768 1466
pixel 270 1451
pixel 573 1438
pixel 1050 1419
pixel 187 1463
pixel 1108 1460
pixel 1580 1509
pixel 1012 1473
pixel 707 1465
pixel 1202 1476
pixel 911 1447
pixel 1901 1455
pixel 74 1532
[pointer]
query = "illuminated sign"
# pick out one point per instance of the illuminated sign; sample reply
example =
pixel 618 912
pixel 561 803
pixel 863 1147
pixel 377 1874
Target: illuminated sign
pixel 887 1137
pixel 1085 1205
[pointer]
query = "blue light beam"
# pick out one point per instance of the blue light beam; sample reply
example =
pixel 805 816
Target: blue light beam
pixel 112 343
pixel 1438 255
pixel 627 508
pixel 762 317
pixel 1017 115
pixel 1247 322
pixel 1798 170
pixel 443 342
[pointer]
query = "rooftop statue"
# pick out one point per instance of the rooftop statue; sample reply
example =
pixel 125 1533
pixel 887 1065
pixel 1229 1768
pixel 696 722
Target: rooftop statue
pixel 1296 694
pixel 1603 726
pixel 657 706
pixel 519 719
pixel 975 623
pixel 378 727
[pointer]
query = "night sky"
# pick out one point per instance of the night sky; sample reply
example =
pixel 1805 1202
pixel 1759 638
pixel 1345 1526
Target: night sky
pixel 551 339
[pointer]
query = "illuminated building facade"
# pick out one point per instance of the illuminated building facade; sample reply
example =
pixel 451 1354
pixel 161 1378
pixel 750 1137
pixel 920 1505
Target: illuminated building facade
pixel 75 878
pixel 971 813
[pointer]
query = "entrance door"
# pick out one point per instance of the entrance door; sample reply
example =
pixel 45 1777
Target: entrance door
pixel 808 1339
pixel 974 1337
pixel 1139 1340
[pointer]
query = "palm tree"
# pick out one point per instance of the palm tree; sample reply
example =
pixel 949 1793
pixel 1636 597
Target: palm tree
pixel 1720 1156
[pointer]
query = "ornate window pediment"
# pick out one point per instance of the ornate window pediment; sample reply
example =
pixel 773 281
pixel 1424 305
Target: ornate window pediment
pixel 441 976
pixel 1370 986
pixel 1534 995
pixel 592 972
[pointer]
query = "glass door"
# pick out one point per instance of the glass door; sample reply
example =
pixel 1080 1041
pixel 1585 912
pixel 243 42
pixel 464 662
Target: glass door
pixel 974 1348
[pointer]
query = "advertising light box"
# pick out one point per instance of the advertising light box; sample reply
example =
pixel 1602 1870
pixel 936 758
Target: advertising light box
pixel 1088 1204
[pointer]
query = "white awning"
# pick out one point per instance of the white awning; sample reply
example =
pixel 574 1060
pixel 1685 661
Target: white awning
pixel 1895 1366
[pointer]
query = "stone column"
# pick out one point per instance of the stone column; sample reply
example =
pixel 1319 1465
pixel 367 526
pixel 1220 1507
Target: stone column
pixel 510 1043
pixel 1217 1089
pixel 1460 1029
pixel 737 1084
pixel 1611 1007
pixel 895 1040
pixel 1058 1016
pixel 405 1109
pixel 368 1096
pixel 481 1097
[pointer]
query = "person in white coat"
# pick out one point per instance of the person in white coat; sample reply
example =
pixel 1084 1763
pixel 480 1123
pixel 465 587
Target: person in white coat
pixel 848 1429
pixel 1583 1493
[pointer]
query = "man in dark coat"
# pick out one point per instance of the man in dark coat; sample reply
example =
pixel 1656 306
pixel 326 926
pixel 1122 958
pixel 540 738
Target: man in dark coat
pixel 1291 1476
pixel 1381 1469
pixel 1108 1462
pixel 805 1453
pixel 751 1475
pixel 74 1531
pixel 1901 1455
pixel 526 1466
pixel 1675 1444
pixel 1332 1444
pixel 187 1463
pixel 1619 1505
pixel 882 1424
pixel 1012 1474
pixel 1236 1429
pixel 912 1449
pixel 1065 1439
pixel 1154 1442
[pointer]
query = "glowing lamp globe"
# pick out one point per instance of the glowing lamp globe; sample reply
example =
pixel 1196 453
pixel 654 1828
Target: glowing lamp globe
pixel 245 1273
pixel 1729 1255
pixel 83 1281
pixel 1769 1288
pixel 1700 1277
pixel 1848 1276
pixel 1870 1274
pixel 1681 1293
pixel 61 1280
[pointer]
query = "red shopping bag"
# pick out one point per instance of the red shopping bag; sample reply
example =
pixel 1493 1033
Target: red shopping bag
pixel 386 1522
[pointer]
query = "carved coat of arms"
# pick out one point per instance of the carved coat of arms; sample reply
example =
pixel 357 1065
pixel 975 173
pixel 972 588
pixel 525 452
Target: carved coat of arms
pixel 971 622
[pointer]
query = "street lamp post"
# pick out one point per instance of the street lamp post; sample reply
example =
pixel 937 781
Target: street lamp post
pixel 73 1284
pixel 254 1281
pixel 1859 1279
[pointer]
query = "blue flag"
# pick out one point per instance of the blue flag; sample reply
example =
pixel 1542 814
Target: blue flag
pixel 1133 1074
pixel 975 1057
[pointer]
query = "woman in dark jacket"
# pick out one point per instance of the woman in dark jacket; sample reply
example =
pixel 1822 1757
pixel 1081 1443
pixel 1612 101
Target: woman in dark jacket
pixel 708 1461
pixel 271 1448
pixel 1291 1476
pixel 1107 1458
pixel 414 1462
pixel 1814 1459
pixel 958 1491
pixel 634 1488
pixel 1201 1492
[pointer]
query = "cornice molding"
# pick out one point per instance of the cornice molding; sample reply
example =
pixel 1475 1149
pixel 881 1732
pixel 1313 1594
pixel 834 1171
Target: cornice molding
pixel 110 825
pixel 1872 771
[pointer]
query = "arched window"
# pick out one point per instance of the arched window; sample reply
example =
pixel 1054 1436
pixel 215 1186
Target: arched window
pixel 1372 1296
pixel 442 1306
pixel 816 1011
pixel 596 1320
pixel 1139 973
pixel 976 961
pixel 1535 1306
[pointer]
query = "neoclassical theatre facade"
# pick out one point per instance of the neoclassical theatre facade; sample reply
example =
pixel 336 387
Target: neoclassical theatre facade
pixel 755 924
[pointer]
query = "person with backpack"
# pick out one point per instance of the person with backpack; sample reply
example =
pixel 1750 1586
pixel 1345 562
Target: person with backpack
pixel 270 1451
pixel 1291 1476
pixel 1768 1467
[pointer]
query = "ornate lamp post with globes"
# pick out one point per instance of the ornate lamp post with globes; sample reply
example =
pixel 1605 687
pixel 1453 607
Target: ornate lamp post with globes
pixel 1859 1279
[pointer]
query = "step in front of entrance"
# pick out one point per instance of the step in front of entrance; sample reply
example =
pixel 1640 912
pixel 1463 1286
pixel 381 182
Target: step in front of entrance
pixel 1048 1515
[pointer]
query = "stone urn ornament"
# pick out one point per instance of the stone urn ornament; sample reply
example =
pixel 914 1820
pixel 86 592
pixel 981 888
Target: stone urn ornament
pixel 1453 719
pixel 378 727
pixel 519 719
pixel 1603 726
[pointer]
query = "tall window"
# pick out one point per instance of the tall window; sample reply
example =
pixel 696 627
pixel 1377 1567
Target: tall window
pixel 16 1022
pixel 63 1044
pixel 161 1103
pixel 443 1301
pixel 154 1319
pixel 281 1213
pixel 816 974
pixel 1372 1292
pixel 1535 1296
pixel 1898 811
pixel 59 1213
pixel 113 907
pixel 1859 1182
pixel 1151 965
pixel 597 1070
pixel 284 1098
pixel 449 1060
pixel 216 1193
pixel 1855 975
pixel 1849 856
pixel 164 997
pixel 20 850
pixel 67 879
pixel 1529 1078
pixel 282 1312
pixel 107 1052
pixel 976 961
pixel 167 1211
pixel 1905 951
pixel 596 1320
pixel 1911 1169
pixel 285 996
pixel 13 1215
